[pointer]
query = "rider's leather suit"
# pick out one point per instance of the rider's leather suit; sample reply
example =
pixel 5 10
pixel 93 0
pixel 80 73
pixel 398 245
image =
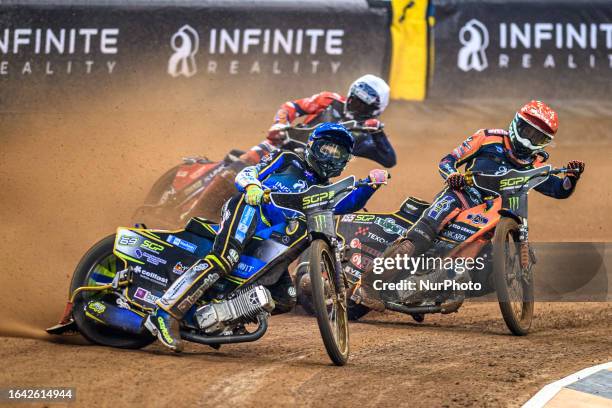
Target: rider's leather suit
pixel 488 151
pixel 282 171
pixel 327 107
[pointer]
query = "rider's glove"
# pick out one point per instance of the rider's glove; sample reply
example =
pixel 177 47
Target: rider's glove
pixel 277 134
pixel 575 165
pixel 456 181
pixel 378 177
pixel 253 194
pixel 373 123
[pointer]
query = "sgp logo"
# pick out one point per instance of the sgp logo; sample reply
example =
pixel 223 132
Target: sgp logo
pixel 185 43
pixel 475 39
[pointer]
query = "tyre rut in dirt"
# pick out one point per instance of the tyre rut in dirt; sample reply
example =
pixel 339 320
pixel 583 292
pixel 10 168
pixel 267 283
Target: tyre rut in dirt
pixel 515 293
pixel 100 257
pixel 330 312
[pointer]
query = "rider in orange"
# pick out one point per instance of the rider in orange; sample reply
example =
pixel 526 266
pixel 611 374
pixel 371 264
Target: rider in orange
pixel 367 98
pixel 493 151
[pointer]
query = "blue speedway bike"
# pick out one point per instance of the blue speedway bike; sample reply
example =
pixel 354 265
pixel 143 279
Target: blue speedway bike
pixel 117 282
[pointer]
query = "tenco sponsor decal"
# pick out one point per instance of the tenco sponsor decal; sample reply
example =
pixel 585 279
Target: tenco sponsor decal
pixel 546 44
pixel 311 49
pixel 27 51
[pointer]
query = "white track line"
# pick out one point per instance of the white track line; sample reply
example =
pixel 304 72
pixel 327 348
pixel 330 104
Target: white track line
pixel 550 390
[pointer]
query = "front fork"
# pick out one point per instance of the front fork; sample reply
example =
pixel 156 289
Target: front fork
pixel 527 256
pixel 339 277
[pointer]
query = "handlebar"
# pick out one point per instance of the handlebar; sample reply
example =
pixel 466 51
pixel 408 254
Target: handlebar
pixel 469 175
pixel 350 125
pixel 268 191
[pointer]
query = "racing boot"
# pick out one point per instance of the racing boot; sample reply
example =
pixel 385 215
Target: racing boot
pixel 417 240
pixel 180 297
pixel 166 328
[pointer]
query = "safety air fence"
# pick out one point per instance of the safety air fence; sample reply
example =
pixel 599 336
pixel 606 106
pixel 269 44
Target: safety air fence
pixel 438 49
pixel 54 50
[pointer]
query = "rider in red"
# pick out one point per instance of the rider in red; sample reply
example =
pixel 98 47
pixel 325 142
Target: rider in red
pixel 493 151
pixel 367 98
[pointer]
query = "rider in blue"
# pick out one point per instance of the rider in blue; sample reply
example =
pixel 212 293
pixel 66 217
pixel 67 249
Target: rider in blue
pixel 328 151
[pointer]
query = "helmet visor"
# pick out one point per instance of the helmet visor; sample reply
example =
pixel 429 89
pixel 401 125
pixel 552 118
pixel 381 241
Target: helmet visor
pixel 328 152
pixel 535 136
pixel 359 108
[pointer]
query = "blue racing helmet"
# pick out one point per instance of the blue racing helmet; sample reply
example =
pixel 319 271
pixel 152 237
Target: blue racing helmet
pixel 330 147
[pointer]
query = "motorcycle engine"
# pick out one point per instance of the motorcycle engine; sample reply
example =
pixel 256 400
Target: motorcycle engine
pixel 242 307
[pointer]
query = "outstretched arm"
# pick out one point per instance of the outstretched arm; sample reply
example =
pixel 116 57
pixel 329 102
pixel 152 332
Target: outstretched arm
pixel 289 111
pixel 355 201
pixel 358 198
pixel 562 186
pixel 375 146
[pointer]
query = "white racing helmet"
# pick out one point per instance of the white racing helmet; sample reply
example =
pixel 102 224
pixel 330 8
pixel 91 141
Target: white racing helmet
pixel 367 97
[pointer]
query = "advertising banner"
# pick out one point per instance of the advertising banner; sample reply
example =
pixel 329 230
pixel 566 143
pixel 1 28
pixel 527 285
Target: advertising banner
pixel 280 48
pixel 522 49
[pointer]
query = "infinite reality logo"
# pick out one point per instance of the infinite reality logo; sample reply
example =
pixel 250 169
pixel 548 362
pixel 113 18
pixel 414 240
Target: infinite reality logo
pixel 255 50
pixel 475 39
pixel 185 43
pixel 529 45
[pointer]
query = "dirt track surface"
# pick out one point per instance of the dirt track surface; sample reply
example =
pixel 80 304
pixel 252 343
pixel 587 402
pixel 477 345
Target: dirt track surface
pixel 467 359
pixel 69 179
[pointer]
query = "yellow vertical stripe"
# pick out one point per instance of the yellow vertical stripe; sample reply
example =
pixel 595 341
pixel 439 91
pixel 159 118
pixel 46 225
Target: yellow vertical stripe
pixel 409 58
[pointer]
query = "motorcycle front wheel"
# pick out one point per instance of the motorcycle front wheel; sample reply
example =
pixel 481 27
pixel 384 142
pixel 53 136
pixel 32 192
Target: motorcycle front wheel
pixel 514 286
pixel 330 310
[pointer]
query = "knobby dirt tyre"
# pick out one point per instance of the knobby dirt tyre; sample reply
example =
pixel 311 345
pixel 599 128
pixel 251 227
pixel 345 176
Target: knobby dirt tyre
pixel 331 314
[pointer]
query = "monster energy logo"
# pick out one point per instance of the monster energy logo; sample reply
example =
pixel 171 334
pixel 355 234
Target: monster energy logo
pixel 514 203
pixel 319 221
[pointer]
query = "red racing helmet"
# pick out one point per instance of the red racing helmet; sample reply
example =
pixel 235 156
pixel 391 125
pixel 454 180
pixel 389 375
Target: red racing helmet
pixel 533 128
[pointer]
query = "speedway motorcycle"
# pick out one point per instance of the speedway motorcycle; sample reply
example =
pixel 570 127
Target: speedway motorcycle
pixel 496 230
pixel 117 282
pixel 199 186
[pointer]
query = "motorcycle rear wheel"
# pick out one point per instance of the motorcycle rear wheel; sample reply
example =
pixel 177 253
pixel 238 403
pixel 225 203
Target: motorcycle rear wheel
pixel 514 291
pixel 100 258
pixel 331 312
